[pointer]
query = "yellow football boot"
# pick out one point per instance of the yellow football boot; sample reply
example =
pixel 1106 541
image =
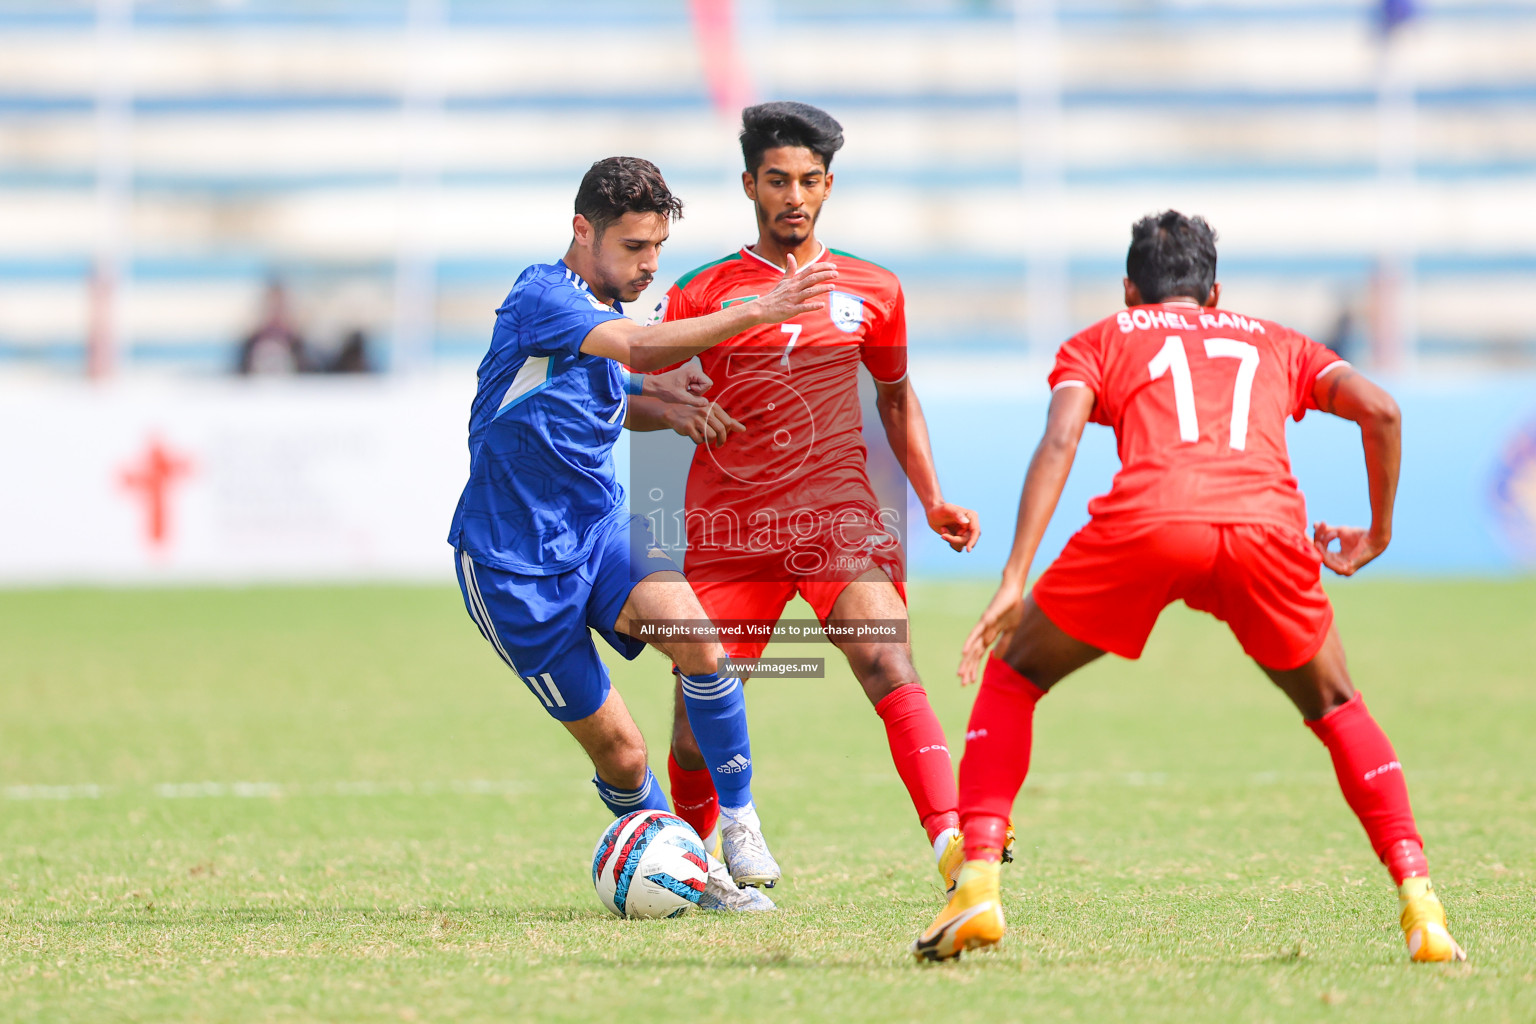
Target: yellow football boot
pixel 973 918
pixel 951 860
pixel 953 857
pixel 1423 922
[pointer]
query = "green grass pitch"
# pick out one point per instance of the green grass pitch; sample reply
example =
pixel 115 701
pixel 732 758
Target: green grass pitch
pixel 335 804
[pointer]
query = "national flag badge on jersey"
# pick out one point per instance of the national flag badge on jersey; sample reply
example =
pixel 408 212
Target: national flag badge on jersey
pixel 846 310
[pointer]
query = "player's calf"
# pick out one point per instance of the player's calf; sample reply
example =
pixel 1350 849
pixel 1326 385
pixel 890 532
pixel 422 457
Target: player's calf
pixel 717 714
pixel 919 748
pixel 716 711
pixel 1370 779
pixel 920 752
pixel 692 787
pixel 693 795
pixel 612 740
pixel 998 742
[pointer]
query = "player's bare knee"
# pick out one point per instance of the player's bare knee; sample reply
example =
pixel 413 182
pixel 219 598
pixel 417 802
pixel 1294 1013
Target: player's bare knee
pixel 882 669
pixel 1028 664
pixel 1314 695
pixel 685 750
pixel 1319 686
pixel 628 766
pixel 698 659
pixel 1331 695
pixel 621 760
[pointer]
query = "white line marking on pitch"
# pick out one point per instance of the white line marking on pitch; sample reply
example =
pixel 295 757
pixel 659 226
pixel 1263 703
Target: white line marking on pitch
pixel 509 787
pixel 259 790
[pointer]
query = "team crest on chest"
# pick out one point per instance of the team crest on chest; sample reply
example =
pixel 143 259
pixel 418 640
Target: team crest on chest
pixel 846 310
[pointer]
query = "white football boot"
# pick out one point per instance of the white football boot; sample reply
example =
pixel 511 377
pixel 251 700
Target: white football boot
pixel 722 893
pixel 745 849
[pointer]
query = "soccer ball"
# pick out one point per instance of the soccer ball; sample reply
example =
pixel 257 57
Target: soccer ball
pixel 649 864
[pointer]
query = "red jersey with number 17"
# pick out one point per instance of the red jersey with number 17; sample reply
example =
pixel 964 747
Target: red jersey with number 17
pixel 1198 400
pixel 794 385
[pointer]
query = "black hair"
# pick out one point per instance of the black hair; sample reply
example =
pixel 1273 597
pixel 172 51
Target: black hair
pixel 618 185
pixel 787 123
pixel 1172 254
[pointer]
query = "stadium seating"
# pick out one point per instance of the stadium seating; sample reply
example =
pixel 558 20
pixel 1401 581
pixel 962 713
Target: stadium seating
pixel 325 142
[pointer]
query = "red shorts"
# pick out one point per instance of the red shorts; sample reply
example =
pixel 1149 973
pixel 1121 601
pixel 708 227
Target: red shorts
pixel 1109 585
pixel 762 599
pixel 736 583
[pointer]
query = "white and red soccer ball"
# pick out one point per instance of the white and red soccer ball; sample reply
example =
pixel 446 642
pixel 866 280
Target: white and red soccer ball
pixel 649 864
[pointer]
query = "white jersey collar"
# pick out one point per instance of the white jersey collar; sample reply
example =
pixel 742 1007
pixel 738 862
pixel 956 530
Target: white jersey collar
pixel 747 249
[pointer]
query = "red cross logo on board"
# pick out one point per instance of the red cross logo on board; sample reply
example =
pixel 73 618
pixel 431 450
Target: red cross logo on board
pixel 150 479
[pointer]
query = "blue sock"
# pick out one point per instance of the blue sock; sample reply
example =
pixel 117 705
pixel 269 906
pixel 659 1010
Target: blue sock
pixel 649 797
pixel 717 710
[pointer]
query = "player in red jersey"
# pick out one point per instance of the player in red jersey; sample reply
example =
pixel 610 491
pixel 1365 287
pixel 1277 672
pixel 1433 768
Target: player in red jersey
pixel 1204 510
pixel 784 505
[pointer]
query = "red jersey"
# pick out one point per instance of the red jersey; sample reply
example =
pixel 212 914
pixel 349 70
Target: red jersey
pixel 1198 400
pixel 795 387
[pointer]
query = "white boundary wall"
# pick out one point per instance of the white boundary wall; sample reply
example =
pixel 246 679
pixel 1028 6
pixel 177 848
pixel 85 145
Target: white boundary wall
pixel 303 479
pixel 315 479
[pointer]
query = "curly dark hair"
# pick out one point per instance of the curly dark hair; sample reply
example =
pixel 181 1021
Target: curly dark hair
pixel 787 123
pixel 617 185
pixel 1172 254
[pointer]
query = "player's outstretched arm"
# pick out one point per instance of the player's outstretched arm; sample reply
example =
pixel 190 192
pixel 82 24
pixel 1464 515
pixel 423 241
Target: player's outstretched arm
pixel 1047 475
pixel 1344 392
pixel 907 430
pixel 653 347
pixel 681 385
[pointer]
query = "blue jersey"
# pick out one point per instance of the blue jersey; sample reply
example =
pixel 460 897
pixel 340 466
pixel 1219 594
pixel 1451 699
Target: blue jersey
pixel 541 431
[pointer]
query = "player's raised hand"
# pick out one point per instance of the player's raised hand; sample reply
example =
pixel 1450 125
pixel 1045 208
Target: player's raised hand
pixel 798 292
pixel 1002 615
pixel 684 385
pixel 960 527
pixel 1356 546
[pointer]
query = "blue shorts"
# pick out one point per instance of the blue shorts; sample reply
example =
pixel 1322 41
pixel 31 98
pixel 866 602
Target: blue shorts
pixel 540 624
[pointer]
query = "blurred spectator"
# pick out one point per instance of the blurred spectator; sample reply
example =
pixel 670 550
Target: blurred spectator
pixel 1343 336
pixel 353 356
pixel 275 346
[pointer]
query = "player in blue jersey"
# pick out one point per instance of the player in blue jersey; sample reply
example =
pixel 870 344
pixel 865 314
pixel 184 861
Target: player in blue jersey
pixel 546 549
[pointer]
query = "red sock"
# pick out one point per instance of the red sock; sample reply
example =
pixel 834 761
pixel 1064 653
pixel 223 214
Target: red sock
pixel 693 796
pixel 922 757
pixel 1372 781
pixel 997 744
pixel 1405 859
